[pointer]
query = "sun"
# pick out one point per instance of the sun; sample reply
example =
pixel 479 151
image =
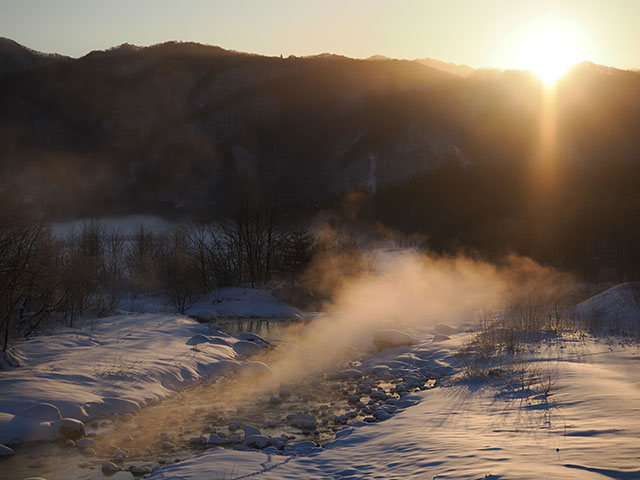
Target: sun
pixel 549 51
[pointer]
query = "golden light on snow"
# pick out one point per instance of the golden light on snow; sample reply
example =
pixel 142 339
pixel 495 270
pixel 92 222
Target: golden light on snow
pixel 549 50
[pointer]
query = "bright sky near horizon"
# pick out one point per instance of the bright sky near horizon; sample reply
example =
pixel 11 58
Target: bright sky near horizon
pixel 492 33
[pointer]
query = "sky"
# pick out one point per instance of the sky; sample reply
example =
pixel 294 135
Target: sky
pixel 478 33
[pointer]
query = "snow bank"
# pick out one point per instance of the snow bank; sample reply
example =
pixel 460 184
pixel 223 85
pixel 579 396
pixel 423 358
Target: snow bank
pixel 126 362
pixel 223 303
pixel 242 303
pixel 616 310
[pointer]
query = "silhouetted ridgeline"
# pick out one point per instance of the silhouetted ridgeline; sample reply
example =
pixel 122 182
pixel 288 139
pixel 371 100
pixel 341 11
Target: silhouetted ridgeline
pixel 176 128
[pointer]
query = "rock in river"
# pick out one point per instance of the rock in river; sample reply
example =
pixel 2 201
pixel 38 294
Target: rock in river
pixel 387 338
pixel 70 428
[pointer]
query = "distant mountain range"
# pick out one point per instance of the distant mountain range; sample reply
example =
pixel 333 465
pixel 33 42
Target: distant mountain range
pixel 176 127
pixel 461 70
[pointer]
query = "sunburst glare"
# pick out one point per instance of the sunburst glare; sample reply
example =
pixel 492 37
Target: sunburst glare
pixel 549 51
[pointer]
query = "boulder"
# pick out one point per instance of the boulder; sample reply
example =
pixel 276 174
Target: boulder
pixel 440 338
pixel 381 415
pixel 201 339
pixel 348 374
pixel 215 439
pixel 378 395
pixel 384 372
pixel 444 329
pixel 139 471
pixel 250 430
pixel 252 337
pixel 256 441
pixel 245 348
pixel 387 338
pixel 86 443
pixel 301 448
pixel 42 411
pixel 70 428
pixel 250 369
pixel 110 468
pixel 285 393
pixel 218 341
pixel 201 440
pixel 303 421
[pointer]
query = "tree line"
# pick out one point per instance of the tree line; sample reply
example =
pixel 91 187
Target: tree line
pixel 85 272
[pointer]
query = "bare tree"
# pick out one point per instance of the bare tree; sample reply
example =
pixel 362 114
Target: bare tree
pixel 84 270
pixel 224 257
pixel 252 231
pixel 177 270
pixel 200 249
pixel 139 260
pixel 113 268
pixel 45 295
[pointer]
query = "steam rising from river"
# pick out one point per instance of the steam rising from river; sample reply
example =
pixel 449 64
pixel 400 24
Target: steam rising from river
pixel 405 289
pixel 402 289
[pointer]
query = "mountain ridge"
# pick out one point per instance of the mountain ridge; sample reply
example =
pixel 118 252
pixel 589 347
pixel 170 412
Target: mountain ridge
pixel 17 58
pixel 178 125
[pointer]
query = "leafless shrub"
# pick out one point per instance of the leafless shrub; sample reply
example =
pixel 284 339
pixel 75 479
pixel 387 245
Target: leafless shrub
pixel 29 275
pixel 546 380
pixel 497 349
pixel 118 367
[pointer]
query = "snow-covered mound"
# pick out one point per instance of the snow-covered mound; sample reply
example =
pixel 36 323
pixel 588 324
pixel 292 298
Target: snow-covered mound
pixel 616 310
pixel 388 338
pixel 122 364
